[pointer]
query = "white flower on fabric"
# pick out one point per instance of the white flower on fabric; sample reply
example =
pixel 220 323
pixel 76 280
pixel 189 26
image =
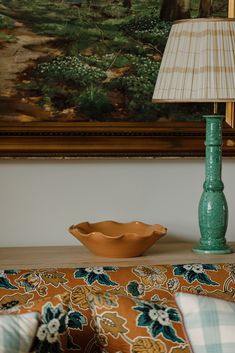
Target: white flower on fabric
pixel 53 325
pixel 52 337
pixel 96 270
pixel 159 315
pixel 153 314
pixel 197 268
pixel 89 269
pixel 163 318
pixel 42 332
pixel 187 267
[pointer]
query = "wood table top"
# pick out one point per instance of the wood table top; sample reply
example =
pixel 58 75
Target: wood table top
pixel 79 256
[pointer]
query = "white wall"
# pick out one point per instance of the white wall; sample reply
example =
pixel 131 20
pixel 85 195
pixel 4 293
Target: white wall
pixel 39 200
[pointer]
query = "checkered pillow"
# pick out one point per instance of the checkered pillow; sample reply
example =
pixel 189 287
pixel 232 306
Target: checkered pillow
pixel 17 332
pixel 209 323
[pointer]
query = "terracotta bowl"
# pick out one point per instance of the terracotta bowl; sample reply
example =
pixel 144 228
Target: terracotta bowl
pixel 113 239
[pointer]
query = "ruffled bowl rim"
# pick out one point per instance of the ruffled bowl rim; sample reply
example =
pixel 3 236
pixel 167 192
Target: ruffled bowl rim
pixel 150 230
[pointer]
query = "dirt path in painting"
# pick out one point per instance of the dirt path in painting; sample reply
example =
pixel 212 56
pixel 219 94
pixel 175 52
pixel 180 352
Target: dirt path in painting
pixel 14 59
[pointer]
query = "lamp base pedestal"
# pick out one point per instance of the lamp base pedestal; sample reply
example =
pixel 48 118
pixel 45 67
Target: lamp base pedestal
pixel 213 209
pixel 203 249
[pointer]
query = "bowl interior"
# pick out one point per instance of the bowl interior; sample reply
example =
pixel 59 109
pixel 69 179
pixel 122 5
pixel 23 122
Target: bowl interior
pixel 114 228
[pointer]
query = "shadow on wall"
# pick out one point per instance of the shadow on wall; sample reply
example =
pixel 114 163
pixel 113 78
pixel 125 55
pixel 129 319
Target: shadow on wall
pixel 175 238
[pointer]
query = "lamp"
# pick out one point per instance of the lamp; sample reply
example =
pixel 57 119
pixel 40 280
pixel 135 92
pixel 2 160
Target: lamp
pixel 198 65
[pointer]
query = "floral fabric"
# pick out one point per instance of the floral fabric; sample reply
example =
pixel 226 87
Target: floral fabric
pixel 137 325
pixel 51 334
pixel 150 284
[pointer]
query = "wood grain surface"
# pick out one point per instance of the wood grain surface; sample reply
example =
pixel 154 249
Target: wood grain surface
pixel 79 256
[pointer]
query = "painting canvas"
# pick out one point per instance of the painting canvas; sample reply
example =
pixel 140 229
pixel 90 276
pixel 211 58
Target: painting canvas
pixel 77 69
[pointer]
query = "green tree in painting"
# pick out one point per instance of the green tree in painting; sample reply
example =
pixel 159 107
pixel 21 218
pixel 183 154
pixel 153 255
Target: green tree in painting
pixel 205 8
pixel 209 8
pixel 172 10
pixel 127 3
pixel 96 60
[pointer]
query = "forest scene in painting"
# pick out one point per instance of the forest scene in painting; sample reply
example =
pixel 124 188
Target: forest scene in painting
pixel 88 60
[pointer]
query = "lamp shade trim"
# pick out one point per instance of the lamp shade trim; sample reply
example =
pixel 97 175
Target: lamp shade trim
pixel 203 19
pixel 155 100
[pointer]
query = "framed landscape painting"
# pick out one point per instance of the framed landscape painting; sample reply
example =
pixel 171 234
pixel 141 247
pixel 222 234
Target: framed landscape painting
pixel 77 78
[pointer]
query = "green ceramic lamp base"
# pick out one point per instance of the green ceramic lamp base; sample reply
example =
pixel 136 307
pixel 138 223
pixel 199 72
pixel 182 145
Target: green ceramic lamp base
pixel 202 249
pixel 213 209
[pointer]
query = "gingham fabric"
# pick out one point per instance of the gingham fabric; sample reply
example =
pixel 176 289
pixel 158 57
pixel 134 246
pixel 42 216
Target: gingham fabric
pixel 209 323
pixel 17 332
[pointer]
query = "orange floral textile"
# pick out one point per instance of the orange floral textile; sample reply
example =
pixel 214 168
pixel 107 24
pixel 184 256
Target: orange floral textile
pixel 51 333
pixel 134 326
pixel 155 284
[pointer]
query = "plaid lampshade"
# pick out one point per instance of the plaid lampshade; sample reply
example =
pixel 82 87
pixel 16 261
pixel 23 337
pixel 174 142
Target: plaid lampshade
pixel 198 64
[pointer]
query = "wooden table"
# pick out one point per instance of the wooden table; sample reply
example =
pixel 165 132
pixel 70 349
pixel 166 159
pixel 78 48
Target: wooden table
pixel 79 256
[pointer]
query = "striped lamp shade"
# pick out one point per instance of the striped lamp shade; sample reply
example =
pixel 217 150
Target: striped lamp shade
pixel 198 64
